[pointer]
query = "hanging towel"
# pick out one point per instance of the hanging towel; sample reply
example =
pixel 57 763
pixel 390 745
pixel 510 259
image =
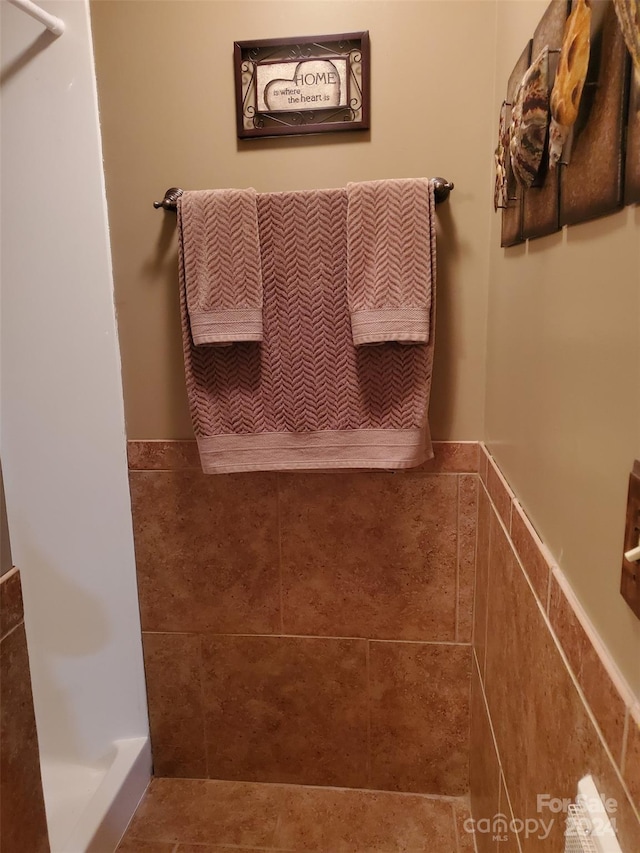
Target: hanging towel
pixel 391 260
pixel 305 398
pixel 220 255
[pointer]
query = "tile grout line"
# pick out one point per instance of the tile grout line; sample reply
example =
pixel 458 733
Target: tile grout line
pixel 625 741
pixel 475 559
pixel 276 830
pixel 11 631
pixel 494 740
pixel 485 705
pixel 456 630
pixel 368 674
pixel 414 795
pixel 487 586
pixel 317 637
pixel 203 704
pixel 475 570
pixel 279 533
pixel 455 828
pixel 548 596
pixel 502 783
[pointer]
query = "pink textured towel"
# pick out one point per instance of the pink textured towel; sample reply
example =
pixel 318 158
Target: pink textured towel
pixel 391 260
pixel 306 398
pixel 220 259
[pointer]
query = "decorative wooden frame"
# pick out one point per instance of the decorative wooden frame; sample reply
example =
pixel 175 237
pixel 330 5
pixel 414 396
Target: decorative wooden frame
pixel 324 85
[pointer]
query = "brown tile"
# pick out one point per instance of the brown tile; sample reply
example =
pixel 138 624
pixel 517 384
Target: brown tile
pixel 419 696
pixel 499 492
pixel 531 551
pixel 544 733
pixel 484 463
pixel 605 702
pixel 632 760
pixel 206 551
pixel 209 848
pixel 484 768
pixel 163 455
pixel 507 830
pixel 467 530
pixel 208 812
pixel 330 821
pixel 11 613
pixel 485 513
pixel 369 555
pixel 564 622
pixel 286 709
pixel 136 845
pixel 464 827
pixel 452 457
pixel 174 696
pixel 22 814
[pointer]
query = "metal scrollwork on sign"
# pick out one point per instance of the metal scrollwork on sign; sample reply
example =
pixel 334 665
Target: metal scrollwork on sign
pixel 305 85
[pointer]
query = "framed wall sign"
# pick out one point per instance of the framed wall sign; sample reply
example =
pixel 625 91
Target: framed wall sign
pixel 313 84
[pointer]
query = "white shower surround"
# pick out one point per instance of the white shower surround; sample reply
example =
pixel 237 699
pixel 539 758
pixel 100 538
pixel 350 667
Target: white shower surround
pixel 62 435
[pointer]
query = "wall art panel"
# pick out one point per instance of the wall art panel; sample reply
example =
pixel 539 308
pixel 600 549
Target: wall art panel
pixel 541 214
pixel 632 169
pixel 591 180
pixel 512 214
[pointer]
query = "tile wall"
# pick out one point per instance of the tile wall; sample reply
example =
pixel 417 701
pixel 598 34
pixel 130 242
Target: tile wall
pixel 23 824
pixel 308 628
pixel 546 704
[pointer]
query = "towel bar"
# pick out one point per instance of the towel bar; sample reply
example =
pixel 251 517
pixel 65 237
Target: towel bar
pixel 442 188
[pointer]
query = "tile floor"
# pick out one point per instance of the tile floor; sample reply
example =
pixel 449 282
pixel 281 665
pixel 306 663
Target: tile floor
pixel 206 816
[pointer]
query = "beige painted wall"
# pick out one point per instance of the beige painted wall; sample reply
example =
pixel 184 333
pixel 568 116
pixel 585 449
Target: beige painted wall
pixel 563 410
pixel 165 82
pixel 563 384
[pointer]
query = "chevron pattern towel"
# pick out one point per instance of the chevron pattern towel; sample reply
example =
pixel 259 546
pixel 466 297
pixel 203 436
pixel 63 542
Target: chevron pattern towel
pixel 220 256
pixel 390 260
pixel 305 397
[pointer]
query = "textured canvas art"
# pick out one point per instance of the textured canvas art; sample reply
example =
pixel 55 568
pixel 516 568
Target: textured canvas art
pixel 573 66
pixel 512 213
pixel 591 183
pixel 574 155
pixel 542 201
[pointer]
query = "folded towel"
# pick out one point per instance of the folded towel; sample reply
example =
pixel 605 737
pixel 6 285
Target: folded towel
pixel 306 398
pixel 391 260
pixel 220 261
